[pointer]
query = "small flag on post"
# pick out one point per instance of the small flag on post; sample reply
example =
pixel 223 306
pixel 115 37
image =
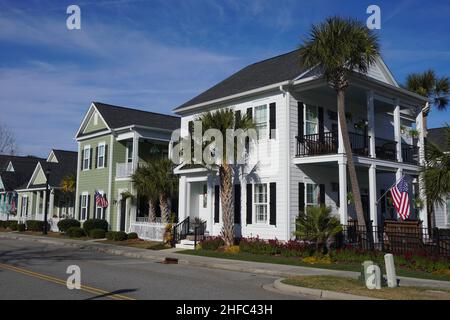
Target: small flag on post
pixel 100 200
pixel 400 198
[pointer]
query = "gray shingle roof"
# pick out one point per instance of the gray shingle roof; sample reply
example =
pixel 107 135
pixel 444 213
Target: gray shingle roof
pixel 117 117
pixel 438 137
pixel 23 169
pixel 281 68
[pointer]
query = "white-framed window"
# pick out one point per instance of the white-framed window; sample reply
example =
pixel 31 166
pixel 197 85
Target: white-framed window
pixel 448 210
pixel 84 206
pixel 260 120
pixel 101 155
pixel 86 157
pixel 40 195
pixel 24 210
pixel 129 151
pixel 261 203
pixel 311 119
pixel 312 194
pixel 99 210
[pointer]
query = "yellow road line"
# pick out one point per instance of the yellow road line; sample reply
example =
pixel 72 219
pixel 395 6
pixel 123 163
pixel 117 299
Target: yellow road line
pixel 63 282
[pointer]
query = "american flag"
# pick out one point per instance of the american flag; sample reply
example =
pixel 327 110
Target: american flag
pixel 100 200
pixel 400 197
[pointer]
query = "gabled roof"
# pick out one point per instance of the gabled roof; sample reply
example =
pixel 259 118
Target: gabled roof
pixel 6 159
pixel 281 68
pixel 23 169
pixel 118 117
pixel 438 136
pixel 276 70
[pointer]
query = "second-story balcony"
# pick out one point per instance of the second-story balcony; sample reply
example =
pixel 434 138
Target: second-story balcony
pixel 328 143
pixel 124 170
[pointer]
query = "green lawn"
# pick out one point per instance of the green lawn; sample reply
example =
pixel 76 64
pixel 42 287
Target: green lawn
pixel 297 262
pixel 352 286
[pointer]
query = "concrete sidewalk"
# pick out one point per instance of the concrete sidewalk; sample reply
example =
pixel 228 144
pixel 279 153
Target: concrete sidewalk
pixel 277 270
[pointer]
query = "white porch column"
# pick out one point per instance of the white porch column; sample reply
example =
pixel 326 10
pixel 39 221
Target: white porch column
pixel 373 208
pixel 371 123
pixel 182 199
pixel 397 133
pixel 423 213
pixel 342 164
pixel 135 151
pixel 51 204
pixel 44 204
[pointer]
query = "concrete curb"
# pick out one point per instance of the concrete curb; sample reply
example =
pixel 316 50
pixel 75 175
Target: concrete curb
pixel 322 294
pixel 207 262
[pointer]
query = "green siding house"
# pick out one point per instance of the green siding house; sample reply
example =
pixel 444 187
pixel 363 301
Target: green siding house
pixel 112 142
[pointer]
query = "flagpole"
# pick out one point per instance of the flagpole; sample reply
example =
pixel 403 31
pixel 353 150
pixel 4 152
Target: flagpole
pixel 390 188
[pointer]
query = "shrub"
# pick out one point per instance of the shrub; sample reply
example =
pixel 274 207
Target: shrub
pixel 35 225
pixel 66 224
pixel 212 243
pixel 76 232
pixel 12 225
pixel 116 235
pixel 92 224
pixel 133 235
pixel 97 234
pixel 168 233
pixel 21 227
pixel 2 224
pixel 232 249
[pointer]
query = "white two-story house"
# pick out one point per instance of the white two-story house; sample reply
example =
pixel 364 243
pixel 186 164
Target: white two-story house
pixel 298 160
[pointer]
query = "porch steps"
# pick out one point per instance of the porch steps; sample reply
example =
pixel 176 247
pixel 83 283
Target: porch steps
pixel 185 244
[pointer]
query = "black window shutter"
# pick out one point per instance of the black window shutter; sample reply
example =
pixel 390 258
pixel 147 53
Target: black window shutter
pixel 249 113
pixel 96 157
pixel 300 119
pixel 95 209
pixel 90 158
pixel 338 202
pixel 321 124
pixel 249 204
pixel 106 156
pixel 237 116
pixel 216 204
pixel 272 120
pixel 383 201
pixel 321 194
pixel 88 204
pixel 82 160
pixel 301 197
pixel 79 208
pixel 237 203
pixel 273 203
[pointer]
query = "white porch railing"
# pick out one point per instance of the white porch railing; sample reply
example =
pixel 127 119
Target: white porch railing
pixel 124 170
pixel 152 231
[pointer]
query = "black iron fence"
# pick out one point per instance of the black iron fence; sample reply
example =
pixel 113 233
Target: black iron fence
pixel 180 231
pixel 395 239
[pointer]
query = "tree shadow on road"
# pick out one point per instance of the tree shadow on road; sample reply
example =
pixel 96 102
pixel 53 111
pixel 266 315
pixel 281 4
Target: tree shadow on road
pixel 112 293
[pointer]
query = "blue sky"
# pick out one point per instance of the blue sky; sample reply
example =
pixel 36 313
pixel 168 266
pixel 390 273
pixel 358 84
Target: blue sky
pixel 156 55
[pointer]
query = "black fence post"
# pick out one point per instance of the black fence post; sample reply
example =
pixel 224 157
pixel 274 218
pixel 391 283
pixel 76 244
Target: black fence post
pixel 195 237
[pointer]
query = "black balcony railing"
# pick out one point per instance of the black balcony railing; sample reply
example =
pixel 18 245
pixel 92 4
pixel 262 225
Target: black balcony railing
pixel 327 143
pixel 386 149
pixel 410 154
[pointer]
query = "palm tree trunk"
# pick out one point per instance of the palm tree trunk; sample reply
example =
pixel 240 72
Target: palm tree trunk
pixel 349 153
pixel 226 197
pixel 165 210
pixel 151 211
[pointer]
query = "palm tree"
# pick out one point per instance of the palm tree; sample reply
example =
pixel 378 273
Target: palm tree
pixel 317 225
pixel 338 46
pixel 143 181
pixel 68 183
pixel 436 174
pixel 166 184
pixel 222 120
pixel 429 85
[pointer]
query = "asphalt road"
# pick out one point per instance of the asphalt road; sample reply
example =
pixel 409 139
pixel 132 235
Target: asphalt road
pixel 30 270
